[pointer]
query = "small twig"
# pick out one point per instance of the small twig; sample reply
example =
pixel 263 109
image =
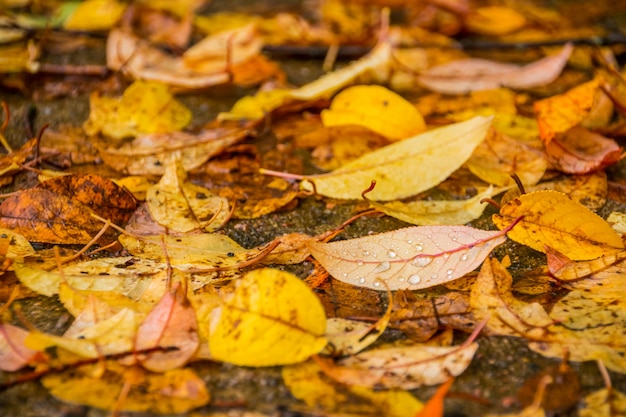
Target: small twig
pixel 5 124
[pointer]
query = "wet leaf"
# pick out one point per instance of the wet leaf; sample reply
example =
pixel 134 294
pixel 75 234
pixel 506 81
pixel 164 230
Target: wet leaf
pixel 377 109
pixel 176 391
pixel 437 212
pixel 145 107
pixel 59 210
pixel 550 218
pixel 307 382
pixel 170 324
pixel 474 74
pixel 272 318
pixel 430 158
pixel 179 205
pixel 14 354
pixel 410 258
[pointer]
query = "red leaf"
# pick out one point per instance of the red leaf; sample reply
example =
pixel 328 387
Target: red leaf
pixel 434 406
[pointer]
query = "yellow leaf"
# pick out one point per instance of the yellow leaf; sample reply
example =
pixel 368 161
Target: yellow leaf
pixel 437 212
pixel 307 382
pixel 407 167
pixel 376 108
pixel 256 106
pixel 550 218
pixel 272 318
pixel 95 15
pixel 222 21
pixel 183 206
pixel 494 21
pixel 137 185
pixel 603 403
pixel 176 391
pixel 145 107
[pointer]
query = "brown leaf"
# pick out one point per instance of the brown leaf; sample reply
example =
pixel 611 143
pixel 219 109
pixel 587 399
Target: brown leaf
pixel 560 395
pixel 59 210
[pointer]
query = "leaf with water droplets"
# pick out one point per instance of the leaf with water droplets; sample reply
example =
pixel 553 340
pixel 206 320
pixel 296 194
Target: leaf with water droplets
pixel 409 258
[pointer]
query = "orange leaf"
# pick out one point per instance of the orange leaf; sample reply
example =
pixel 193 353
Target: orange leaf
pixel 434 406
pixel 59 210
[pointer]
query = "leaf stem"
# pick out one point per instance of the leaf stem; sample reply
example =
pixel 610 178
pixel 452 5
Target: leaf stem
pixel 280 174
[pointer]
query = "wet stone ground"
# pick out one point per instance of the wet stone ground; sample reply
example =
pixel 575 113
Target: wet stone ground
pixel 499 368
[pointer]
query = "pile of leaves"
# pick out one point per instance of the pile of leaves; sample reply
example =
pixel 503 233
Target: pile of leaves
pixel 123 217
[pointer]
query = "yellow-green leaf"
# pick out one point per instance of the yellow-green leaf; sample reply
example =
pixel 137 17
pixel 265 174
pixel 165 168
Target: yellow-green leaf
pixel 272 318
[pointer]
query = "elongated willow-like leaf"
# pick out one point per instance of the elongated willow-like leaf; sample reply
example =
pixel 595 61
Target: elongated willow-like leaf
pixel 410 258
pixel 408 167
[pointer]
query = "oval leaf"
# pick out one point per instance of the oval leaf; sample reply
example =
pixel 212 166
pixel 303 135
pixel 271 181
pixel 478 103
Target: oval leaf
pixel 550 218
pixel 410 258
pixel 272 318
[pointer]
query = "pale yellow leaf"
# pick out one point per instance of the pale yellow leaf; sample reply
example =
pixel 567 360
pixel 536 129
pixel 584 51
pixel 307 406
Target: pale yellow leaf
pixel 605 402
pixel 272 318
pixel 183 206
pixel 93 15
pixel 437 212
pixel 407 167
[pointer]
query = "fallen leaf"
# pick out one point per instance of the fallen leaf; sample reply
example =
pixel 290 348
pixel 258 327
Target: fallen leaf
pixel 148 154
pixel 182 206
pixel 14 354
pixel 307 382
pixel 500 155
pixel 564 269
pixel 603 403
pixel 580 151
pixel 550 218
pixel 437 212
pixel 94 15
pixel 559 113
pixel 560 395
pixel 434 406
pixel 176 391
pixel 145 107
pixel 376 108
pixel 170 324
pixel 430 157
pixel 59 210
pixel 10 164
pixel 406 367
pixel 472 74
pixel 494 21
pixel 410 258
pixel 272 318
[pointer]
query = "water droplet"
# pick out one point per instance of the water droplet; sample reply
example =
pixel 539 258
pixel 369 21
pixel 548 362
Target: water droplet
pixel 359 263
pixel 345 274
pixel 419 247
pixel 446 256
pixel 409 241
pixel 366 253
pixel 450 271
pixel 464 257
pixel 401 279
pixel 434 276
pixel 382 267
pixel 414 279
pixel 454 238
pixel 422 260
pixel 391 253
pixel 361 280
pixel 376 284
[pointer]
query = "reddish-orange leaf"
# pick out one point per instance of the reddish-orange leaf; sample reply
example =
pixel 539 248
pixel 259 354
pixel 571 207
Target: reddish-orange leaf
pixel 434 406
pixel 171 324
pixel 580 151
pixel 59 210
pixel 13 352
